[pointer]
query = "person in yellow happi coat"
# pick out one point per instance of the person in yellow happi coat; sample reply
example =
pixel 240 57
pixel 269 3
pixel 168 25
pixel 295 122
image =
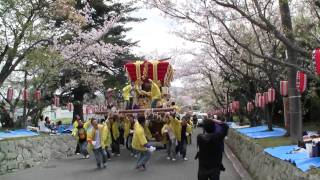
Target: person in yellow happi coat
pixel 128 132
pixel 96 138
pixel 126 127
pixel 175 107
pixel 107 138
pixel 115 134
pixel 172 135
pixel 147 131
pixel 128 95
pixel 155 94
pixel 77 124
pixel 140 143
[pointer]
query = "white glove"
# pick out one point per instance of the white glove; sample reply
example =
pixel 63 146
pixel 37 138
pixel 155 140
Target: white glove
pixel 131 131
pixel 165 131
pixel 187 134
pixel 151 149
pixel 94 143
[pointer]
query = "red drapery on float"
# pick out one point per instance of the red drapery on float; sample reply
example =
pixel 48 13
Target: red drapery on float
pixel 159 71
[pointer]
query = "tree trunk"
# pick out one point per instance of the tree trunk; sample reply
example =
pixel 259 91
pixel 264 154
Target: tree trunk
pixel 25 102
pixel 294 97
pixel 286 115
pixel 269 116
pixel 78 102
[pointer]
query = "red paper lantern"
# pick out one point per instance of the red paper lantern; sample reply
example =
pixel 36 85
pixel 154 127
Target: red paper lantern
pixel 271 95
pixel 284 88
pixel 70 107
pixel 56 101
pixel 236 105
pixel 265 95
pixel 88 111
pixel 316 57
pixel 256 100
pixel 25 95
pixel 262 102
pixel 301 81
pixel 231 108
pixel 10 94
pixel 250 107
pixel 37 95
pixel 96 108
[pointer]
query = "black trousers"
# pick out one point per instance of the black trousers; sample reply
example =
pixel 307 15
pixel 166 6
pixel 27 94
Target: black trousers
pixel 121 138
pixel 208 174
pixel 182 148
pixel 77 148
pixel 115 146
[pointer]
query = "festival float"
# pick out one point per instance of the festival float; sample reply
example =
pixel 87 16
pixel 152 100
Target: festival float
pixel 139 74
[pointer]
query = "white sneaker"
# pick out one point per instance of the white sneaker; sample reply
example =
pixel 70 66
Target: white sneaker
pixel 186 159
pixel 87 156
pixel 168 158
pixel 135 156
pixel 118 155
pixel 77 153
pixel 173 159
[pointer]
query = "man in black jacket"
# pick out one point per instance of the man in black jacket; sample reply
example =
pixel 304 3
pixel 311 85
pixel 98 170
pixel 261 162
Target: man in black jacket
pixel 210 146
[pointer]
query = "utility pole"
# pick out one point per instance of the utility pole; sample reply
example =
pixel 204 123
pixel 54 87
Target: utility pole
pixel 295 112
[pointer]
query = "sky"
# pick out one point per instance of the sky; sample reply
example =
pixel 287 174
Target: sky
pixel 156 37
pixel 155 34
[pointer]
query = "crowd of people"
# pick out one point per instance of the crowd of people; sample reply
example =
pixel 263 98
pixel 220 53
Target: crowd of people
pixel 104 137
pixel 137 132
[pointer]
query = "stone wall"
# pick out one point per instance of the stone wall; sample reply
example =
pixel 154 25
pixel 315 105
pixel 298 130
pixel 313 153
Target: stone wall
pixel 261 165
pixel 27 152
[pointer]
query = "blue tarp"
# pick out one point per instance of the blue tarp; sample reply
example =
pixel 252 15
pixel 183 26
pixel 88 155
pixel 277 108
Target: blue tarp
pixel 306 164
pixel 17 133
pixel 262 132
pixel 66 129
pixel 302 159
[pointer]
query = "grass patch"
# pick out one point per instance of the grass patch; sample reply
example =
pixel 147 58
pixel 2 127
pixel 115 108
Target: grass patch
pixel 314 170
pixel 311 126
pixel 274 141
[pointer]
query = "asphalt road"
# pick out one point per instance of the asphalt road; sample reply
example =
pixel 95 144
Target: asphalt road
pixel 120 168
